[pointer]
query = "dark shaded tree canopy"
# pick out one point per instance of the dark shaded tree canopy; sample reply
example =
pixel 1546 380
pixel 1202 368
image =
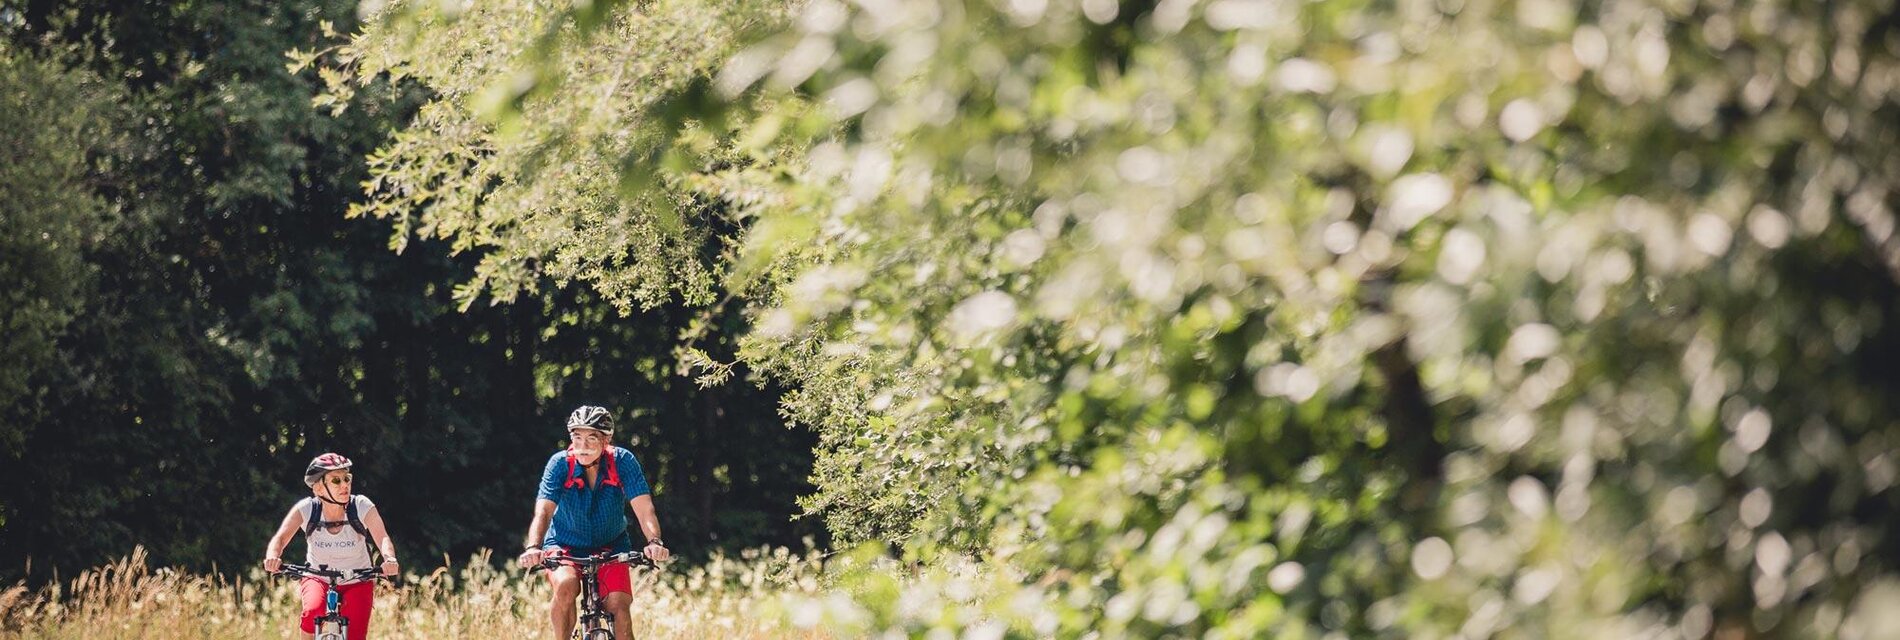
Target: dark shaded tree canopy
pixel 192 317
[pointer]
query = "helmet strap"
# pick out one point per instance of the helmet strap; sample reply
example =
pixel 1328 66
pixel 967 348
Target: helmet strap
pixel 327 496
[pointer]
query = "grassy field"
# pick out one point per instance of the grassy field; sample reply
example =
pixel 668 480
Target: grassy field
pixel 724 598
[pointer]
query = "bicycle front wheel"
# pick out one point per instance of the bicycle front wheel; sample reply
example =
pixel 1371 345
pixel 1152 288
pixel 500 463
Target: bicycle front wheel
pixel 594 625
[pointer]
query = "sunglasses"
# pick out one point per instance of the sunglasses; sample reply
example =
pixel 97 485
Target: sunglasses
pixel 342 479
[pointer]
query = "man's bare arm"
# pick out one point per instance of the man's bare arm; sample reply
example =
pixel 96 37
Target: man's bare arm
pixel 650 527
pixel 538 527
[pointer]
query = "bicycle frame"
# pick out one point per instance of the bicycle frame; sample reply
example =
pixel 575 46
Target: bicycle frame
pixel 331 625
pixel 595 622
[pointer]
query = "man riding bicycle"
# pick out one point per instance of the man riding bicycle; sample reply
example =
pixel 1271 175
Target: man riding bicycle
pixel 578 512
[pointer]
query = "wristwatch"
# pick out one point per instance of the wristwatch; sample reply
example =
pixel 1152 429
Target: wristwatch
pixel 657 542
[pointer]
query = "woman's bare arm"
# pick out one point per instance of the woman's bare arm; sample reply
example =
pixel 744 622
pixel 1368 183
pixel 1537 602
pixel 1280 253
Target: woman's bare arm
pixel 274 550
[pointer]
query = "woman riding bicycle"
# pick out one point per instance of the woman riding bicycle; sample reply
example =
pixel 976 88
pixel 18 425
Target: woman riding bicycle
pixel 338 527
pixel 579 511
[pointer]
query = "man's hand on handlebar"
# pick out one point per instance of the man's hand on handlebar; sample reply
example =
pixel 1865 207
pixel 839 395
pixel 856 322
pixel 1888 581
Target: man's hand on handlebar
pixel 531 558
pixel 657 551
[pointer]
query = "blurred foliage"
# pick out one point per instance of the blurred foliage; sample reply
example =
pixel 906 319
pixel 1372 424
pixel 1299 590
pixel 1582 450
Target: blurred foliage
pixel 1244 317
pixel 190 317
pixel 51 127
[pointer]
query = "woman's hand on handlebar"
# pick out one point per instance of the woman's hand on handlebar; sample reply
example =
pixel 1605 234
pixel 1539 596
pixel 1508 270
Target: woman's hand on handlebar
pixel 272 564
pixel 293 569
pixel 375 574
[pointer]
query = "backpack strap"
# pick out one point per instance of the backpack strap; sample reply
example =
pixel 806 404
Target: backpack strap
pixel 576 476
pixel 574 480
pixel 356 520
pixel 312 517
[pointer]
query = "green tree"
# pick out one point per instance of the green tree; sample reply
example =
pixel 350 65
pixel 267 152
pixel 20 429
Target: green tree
pixel 56 127
pixel 1243 318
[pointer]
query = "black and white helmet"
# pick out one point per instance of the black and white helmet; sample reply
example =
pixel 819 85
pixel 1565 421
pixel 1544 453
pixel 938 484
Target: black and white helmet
pixel 591 417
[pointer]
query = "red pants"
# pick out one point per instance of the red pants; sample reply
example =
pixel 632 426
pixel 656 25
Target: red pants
pixel 354 602
pixel 615 577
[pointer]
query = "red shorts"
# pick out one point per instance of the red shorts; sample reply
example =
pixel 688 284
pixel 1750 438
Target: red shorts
pixel 615 577
pixel 354 602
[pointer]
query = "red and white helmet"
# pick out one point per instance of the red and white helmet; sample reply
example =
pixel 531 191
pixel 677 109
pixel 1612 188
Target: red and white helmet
pixel 323 464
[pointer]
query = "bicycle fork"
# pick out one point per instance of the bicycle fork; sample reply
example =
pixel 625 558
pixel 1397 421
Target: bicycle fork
pixel 594 616
pixel 337 626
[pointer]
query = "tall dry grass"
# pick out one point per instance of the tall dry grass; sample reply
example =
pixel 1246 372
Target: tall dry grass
pixel 723 598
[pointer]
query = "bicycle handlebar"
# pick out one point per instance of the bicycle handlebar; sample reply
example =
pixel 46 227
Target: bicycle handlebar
pixel 333 576
pixel 630 557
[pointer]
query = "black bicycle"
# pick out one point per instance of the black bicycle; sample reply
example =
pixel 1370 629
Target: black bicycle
pixel 331 625
pixel 595 622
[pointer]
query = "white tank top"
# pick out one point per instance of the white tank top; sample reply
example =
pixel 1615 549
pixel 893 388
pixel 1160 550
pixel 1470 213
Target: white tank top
pixel 343 550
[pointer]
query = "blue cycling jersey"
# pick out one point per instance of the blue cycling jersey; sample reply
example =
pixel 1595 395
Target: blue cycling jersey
pixel 592 516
